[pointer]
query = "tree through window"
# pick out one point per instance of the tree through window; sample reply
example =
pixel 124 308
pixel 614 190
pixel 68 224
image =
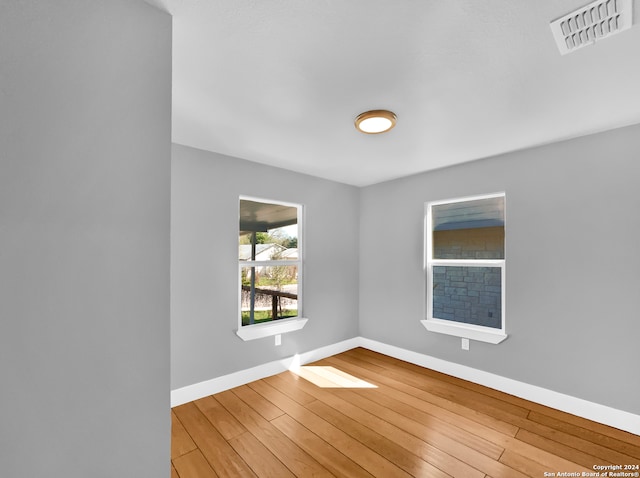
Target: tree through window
pixel 270 261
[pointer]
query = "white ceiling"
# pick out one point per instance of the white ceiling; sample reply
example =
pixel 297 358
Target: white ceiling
pixel 280 81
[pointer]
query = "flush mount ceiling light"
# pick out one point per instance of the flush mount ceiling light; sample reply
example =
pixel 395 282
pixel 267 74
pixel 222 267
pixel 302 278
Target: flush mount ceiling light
pixel 375 121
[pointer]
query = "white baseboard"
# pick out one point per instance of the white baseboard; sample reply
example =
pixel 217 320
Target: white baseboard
pixel 225 382
pixel 566 403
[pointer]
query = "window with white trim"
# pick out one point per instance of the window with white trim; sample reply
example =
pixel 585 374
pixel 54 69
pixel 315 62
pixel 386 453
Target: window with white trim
pixel 465 267
pixel 269 268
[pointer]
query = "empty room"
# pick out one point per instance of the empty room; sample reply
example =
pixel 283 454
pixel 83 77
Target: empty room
pixel 294 238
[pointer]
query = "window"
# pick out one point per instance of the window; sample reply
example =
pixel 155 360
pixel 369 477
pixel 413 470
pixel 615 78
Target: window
pixel 270 268
pixel 465 267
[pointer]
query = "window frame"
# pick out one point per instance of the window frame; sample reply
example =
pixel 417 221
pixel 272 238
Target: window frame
pixel 450 327
pixel 279 326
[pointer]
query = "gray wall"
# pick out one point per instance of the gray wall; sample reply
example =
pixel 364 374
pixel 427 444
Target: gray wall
pixel 205 189
pixel 572 277
pixel 84 239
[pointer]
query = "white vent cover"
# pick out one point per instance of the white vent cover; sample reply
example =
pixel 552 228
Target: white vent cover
pixel 591 23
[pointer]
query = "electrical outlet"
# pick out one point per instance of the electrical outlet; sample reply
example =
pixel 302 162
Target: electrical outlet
pixel 465 344
pixel 278 339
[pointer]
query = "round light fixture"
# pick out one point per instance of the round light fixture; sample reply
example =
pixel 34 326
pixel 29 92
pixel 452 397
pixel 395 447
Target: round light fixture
pixel 375 121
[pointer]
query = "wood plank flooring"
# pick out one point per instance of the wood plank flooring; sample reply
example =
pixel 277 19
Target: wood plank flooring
pixel 375 416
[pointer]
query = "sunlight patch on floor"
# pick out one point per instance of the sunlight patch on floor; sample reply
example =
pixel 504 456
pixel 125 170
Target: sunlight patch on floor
pixel 330 377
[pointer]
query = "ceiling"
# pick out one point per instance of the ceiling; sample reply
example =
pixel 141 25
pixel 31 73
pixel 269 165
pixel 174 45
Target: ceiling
pixel 281 81
pixel 262 217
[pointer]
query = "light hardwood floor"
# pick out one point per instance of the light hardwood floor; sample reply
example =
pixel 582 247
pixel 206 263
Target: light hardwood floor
pixel 416 422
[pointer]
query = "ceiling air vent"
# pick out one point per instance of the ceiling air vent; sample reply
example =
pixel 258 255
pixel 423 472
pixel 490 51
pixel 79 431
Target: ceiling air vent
pixel 591 23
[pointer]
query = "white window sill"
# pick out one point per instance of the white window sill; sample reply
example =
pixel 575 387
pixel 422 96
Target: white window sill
pixel 259 331
pixel 468 331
